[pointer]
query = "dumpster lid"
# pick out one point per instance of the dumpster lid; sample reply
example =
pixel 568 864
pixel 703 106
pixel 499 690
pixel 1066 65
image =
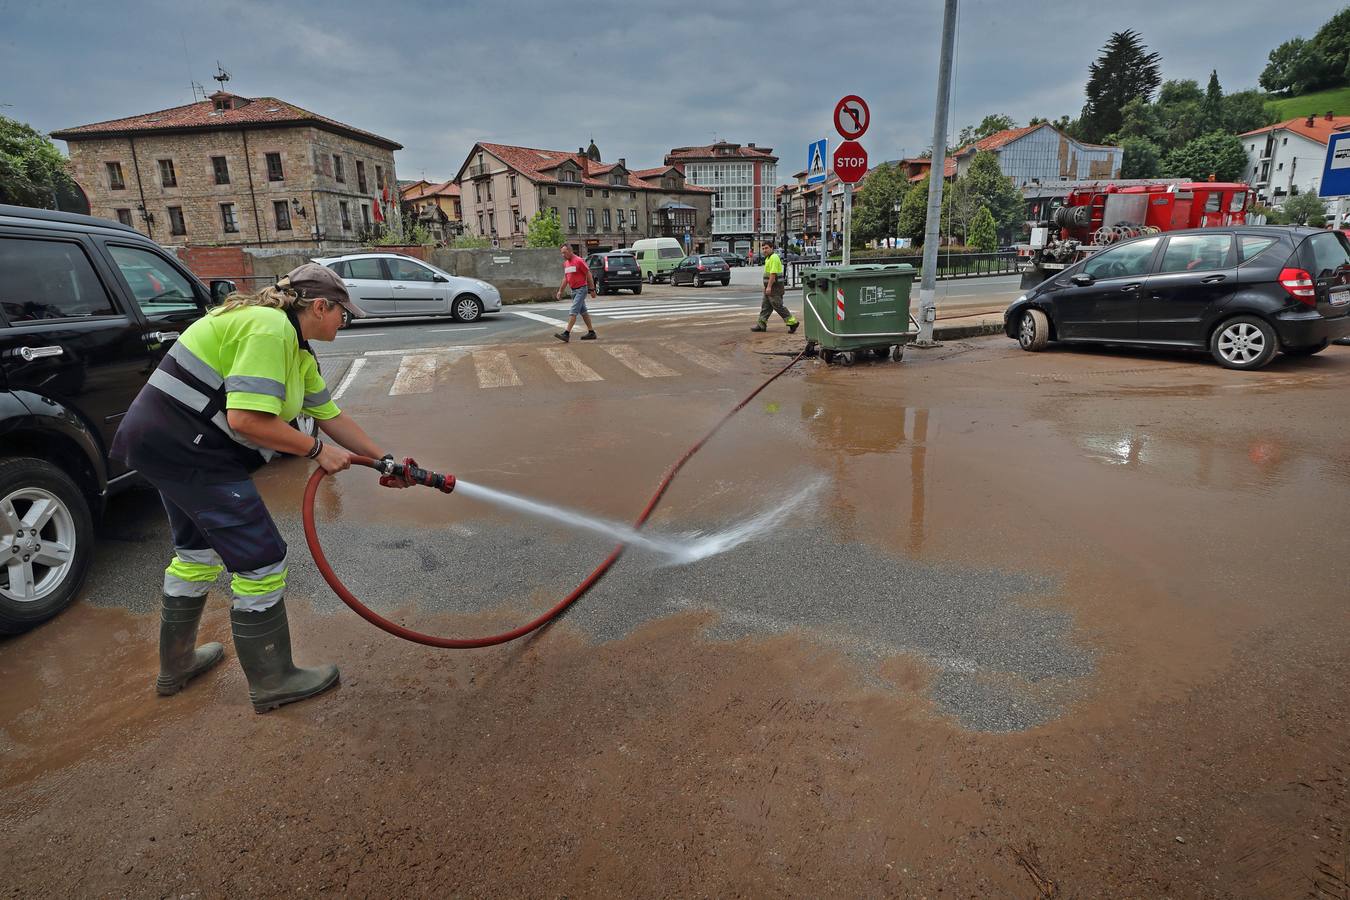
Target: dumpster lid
pixel 860 270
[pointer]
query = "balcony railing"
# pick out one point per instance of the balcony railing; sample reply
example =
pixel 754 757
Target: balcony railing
pixel 478 171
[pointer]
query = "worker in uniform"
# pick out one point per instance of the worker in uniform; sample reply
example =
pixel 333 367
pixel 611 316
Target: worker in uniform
pixel 774 288
pixel 216 409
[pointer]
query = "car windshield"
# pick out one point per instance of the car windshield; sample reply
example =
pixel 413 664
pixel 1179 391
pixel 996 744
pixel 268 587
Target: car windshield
pixel 620 261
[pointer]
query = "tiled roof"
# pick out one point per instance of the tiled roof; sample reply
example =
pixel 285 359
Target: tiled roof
pixel 710 151
pixel 1001 139
pixel 540 167
pixel 948 170
pixel 428 189
pixel 1320 130
pixel 256 112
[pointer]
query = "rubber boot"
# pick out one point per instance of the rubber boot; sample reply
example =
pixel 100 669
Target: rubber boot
pixel 180 659
pixel 263 642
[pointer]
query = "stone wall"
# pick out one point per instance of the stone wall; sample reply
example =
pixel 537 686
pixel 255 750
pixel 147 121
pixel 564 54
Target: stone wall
pixel 308 180
pixel 521 275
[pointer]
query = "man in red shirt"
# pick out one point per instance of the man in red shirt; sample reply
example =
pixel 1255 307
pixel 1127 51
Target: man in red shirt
pixel 578 280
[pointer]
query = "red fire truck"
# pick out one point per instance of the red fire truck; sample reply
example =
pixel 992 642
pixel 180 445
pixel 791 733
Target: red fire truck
pixel 1089 217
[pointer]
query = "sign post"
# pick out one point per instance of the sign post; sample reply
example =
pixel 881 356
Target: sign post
pixel 817 171
pixel 851 118
pixel 1336 173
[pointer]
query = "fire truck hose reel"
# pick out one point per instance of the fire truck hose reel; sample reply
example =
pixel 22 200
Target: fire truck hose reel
pixel 446 483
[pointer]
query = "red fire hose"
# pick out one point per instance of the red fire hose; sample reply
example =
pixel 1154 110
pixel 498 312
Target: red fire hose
pixel 431 479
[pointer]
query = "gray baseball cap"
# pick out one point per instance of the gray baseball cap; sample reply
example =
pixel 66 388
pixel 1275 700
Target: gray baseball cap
pixel 314 280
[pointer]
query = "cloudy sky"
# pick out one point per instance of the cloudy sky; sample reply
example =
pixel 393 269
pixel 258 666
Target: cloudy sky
pixel 639 77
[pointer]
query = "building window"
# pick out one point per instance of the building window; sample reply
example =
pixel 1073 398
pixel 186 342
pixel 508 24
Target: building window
pixel 115 181
pixel 632 218
pixel 459 214
pixel 590 193
pixel 590 218
pixel 513 185
pixel 176 223
pixel 227 218
pixel 632 195
pixel 478 193
pixel 489 187
pixel 605 193
pixel 360 176
pixel 282 210
pixel 492 222
pixel 337 170
pixel 606 219
pixel 346 214
pixel 274 170
pixel 480 223
pixel 379 177
pixel 365 215
pixel 124 216
pixel 571 218
pixel 220 167
pixel 167 176
pixel 552 190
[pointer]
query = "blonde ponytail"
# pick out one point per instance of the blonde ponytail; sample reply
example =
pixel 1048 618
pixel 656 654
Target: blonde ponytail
pixel 276 296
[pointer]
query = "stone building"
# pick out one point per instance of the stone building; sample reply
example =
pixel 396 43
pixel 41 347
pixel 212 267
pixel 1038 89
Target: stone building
pixel 232 170
pixel 435 206
pixel 743 179
pixel 600 205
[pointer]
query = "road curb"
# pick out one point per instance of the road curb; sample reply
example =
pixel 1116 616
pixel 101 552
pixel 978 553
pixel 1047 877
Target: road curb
pixel 956 332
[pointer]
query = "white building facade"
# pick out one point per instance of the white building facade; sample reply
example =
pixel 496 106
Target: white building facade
pixel 1040 153
pixel 1285 159
pixel 744 179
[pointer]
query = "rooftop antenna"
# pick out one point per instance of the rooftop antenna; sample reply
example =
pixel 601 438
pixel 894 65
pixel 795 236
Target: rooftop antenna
pixel 198 92
pixel 221 75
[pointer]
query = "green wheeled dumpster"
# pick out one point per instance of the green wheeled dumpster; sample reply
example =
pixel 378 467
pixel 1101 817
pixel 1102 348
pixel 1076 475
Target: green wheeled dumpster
pixel 853 312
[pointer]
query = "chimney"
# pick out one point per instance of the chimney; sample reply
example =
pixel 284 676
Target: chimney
pixel 623 162
pixel 1312 117
pixel 581 151
pixel 1329 115
pixel 751 145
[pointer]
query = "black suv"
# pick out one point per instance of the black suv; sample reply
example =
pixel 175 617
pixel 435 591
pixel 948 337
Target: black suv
pixel 88 308
pixel 699 270
pixel 1242 293
pixel 615 271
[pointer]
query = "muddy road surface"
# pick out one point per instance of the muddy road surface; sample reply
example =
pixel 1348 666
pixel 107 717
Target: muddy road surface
pixel 1070 624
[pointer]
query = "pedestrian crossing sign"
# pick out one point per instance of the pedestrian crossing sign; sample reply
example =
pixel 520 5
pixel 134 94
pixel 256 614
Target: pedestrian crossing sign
pixel 817 156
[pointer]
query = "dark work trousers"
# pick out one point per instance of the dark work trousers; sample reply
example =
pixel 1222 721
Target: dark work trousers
pixel 218 527
pixel 773 303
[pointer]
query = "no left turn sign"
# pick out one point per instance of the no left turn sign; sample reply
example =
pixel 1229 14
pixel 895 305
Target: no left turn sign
pixel 851 117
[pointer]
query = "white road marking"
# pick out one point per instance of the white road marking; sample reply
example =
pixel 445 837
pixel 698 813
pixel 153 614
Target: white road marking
pixel 416 374
pixel 536 317
pixel 455 349
pixel 677 311
pixel 494 369
pixel 461 328
pixel 567 366
pixel 348 378
pixel 352 334
pixel 701 357
pixel 654 307
pixel 647 368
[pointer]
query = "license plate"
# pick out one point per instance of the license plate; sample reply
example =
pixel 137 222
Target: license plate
pixel 625 271
pixel 1340 298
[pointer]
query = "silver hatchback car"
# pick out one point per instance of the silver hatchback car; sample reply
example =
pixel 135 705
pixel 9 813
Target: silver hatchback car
pixel 391 284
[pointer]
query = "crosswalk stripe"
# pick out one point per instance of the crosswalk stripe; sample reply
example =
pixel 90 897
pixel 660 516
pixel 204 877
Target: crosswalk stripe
pixel 701 357
pixel 536 317
pixel 349 377
pixel 567 366
pixel 655 307
pixel 416 374
pixel 647 368
pixel 494 369
pixel 638 316
pixel 693 313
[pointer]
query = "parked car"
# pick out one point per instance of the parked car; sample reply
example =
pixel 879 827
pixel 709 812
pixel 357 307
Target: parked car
pixel 615 271
pixel 391 284
pixel 88 308
pixel 1242 293
pixel 734 260
pixel 657 257
pixel 699 270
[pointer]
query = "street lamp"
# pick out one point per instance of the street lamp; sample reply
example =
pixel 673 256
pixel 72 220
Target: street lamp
pixel 895 231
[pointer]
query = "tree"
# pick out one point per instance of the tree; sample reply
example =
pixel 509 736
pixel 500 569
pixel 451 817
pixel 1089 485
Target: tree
pixel 544 230
pixel 1332 41
pixel 1305 209
pixel 1296 67
pixel 32 170
pixel 1218 154
pixel 874 215
pixel 1143 121
pixel 991 124
pixel 1246 111
pixel 1142 158
pixel 1123 71
pixel 989 187
pixel 983 236
pixel 914 211
pixel 468 241
pixel 1212 105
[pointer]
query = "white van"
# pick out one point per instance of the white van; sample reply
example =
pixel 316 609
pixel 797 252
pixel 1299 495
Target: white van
pixel 658 257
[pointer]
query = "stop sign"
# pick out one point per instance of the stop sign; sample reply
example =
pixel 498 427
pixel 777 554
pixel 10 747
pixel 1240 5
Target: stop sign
pixel 850 162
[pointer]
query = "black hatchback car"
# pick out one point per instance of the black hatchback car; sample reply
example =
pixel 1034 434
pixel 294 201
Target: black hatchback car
pixel 614 272
pixel 1242 293
pixel 699 270
pixel 88 308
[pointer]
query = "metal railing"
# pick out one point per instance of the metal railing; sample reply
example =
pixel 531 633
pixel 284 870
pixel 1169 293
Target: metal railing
pixel 950 265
